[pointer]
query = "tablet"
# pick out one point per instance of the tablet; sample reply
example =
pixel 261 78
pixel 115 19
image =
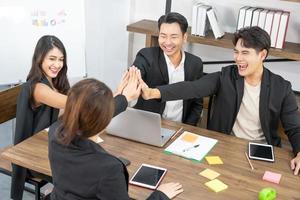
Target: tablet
pixel 148 176
pixel 261 152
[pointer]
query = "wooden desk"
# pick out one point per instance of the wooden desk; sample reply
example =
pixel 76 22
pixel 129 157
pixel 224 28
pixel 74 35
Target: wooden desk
pixel 236 173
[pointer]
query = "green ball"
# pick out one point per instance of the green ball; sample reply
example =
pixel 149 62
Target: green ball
pixel 267 193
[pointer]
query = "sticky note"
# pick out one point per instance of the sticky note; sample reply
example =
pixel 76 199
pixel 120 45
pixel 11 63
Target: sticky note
pixel 214 160
pixel 210 174
pixel 189 137
pixel 272 177
pixel 216 185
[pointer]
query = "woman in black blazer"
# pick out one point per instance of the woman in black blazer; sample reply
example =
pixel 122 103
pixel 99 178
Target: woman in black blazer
pixel 42 96
pixel 82 169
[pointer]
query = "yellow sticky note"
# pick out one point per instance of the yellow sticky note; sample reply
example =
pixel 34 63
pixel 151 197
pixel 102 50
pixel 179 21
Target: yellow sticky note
pixel 214 160
pixel 189 137
pixel 210 174
pixel 216 185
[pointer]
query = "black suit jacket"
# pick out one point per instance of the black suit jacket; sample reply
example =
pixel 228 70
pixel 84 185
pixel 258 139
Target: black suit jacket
pixel 154 70
pixel 277 102
pixel 83 170
pixel 28 122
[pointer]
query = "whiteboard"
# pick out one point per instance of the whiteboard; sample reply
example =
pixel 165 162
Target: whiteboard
pixel 24 22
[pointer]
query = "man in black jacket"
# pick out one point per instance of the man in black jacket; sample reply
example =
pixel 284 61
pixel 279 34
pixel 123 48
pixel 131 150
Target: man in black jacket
pixel 249 99
pixel 169 64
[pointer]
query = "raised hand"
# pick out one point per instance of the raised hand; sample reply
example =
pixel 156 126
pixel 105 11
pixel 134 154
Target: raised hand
pixel 133 89
pixel 122 84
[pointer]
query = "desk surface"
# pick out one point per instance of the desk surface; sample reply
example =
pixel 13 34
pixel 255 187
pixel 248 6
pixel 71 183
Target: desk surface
pixel 235 172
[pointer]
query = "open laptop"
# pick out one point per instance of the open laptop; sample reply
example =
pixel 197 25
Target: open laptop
pixel 141 126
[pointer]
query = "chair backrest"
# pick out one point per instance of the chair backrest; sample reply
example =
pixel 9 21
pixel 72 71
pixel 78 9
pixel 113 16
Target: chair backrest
pixel 8 103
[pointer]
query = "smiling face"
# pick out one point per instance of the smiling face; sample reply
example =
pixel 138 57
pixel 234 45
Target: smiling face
pixel 171 39
pixel 248 60
pixel 53 63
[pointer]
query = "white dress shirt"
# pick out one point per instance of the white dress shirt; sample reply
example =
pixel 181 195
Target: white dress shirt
pixel 173 110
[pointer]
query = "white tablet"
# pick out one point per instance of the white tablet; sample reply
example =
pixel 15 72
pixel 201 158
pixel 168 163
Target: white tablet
pixel 261 152
pixel 148 176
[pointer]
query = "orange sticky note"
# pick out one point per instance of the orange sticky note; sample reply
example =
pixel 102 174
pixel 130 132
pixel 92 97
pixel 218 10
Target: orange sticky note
pixel 189 137
pixel 216 185
pixel 214 160
pixel 210 174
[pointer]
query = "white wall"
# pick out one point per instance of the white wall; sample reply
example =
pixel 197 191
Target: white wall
pixel 24 22
pixel 227 12
pixel 107 39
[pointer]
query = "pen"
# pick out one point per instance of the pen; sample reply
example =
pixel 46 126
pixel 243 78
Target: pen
pixel 189 148
pixel 252 168
pixel 176 133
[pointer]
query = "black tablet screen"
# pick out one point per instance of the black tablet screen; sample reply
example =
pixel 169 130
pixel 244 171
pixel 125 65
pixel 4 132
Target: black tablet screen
pixel 261 151
pixel 148 175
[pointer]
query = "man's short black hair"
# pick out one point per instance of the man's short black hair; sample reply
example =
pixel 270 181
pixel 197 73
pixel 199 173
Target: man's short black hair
pixel 253 37
pixel 174 17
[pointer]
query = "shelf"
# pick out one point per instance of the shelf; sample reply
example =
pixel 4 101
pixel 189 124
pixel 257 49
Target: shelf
pixel 149 27
pixel 297 1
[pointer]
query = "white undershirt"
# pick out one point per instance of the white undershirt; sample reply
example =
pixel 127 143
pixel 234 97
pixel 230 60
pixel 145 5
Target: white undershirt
pixel 173 110
pixel 247 124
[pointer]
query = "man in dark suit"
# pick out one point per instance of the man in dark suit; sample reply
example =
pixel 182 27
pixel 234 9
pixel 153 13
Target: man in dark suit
pixel 168 64
pixel 250 100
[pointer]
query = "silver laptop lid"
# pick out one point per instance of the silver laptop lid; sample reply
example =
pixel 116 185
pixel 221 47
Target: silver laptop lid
pixel 139 125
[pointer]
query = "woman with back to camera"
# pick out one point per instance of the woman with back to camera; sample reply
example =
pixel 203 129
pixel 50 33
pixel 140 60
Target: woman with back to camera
pixel 41 97
pixel 81 168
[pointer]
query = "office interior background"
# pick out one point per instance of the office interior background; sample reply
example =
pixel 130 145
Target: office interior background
pixel 110 49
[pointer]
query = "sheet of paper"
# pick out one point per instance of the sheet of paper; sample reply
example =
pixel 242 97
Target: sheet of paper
pixel 99 140
pixel 210 174
pixel 272 177
pixel 216 185
pixel 214 160
pixel 188 147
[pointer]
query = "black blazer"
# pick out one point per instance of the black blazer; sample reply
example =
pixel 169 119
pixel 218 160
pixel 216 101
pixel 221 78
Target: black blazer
pixel 28 122
pixel 154 70
pixel 277 102
pixel 84 170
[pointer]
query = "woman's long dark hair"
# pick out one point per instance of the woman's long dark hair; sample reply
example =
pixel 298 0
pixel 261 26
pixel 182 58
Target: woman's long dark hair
pixel 43 46
pixel 88 111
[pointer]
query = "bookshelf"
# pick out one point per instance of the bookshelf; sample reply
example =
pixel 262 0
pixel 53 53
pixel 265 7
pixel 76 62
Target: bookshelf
pixel 149 28
pixel 297 1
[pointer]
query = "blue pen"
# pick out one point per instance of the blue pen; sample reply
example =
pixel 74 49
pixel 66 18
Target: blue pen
pixel 189 148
